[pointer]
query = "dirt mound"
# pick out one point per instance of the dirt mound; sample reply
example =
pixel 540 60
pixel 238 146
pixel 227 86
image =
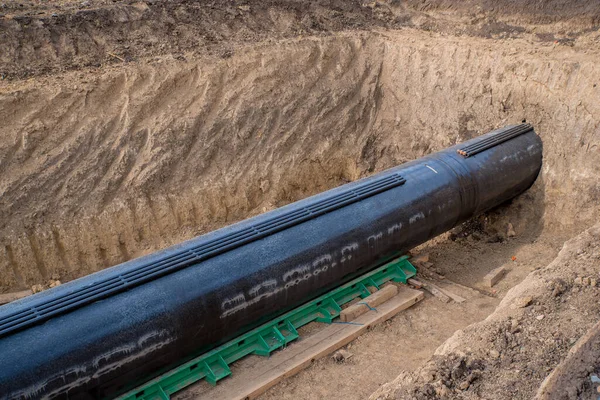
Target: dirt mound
pixel 547 11
pixel 46 38
pixel 508 355
pixel 41 37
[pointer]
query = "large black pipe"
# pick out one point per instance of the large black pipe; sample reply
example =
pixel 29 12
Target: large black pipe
pixel 91 336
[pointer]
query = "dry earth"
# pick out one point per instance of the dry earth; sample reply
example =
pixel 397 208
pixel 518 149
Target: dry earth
pixel 511 352
pixel 130 126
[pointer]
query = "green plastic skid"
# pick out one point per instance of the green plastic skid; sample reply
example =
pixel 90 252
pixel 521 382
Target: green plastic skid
pixel 271 336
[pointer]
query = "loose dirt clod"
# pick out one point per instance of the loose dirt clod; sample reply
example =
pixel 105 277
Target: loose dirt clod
pixel 510 230
pixel 54 283
pixel 522 302
pixel 341 355
pixel 37 288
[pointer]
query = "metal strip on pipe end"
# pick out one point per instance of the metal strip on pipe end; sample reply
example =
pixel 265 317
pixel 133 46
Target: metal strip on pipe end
pixel 494 140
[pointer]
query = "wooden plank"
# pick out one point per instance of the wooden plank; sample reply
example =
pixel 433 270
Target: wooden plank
pixel 444 294
pixel 456 298
pixel 372 301
pixel 413 282
pixel 494 276
pixel 472 289
pixel 436 291
pixel 250 382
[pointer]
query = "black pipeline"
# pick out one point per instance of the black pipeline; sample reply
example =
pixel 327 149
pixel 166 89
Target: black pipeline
pixel 94 336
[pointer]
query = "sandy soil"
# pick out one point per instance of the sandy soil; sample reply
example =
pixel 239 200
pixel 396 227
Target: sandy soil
pixel 511 352
pixel 130 126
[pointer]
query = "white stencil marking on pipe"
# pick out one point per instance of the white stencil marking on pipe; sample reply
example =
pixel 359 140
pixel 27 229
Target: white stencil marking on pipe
pixel 431 168
pixel 416 217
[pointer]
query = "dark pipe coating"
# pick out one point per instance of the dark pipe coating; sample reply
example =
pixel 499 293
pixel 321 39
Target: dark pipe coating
pixel 89 337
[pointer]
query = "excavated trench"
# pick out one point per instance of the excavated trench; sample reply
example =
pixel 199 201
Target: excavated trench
pixel 100 167
pixel 131 136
